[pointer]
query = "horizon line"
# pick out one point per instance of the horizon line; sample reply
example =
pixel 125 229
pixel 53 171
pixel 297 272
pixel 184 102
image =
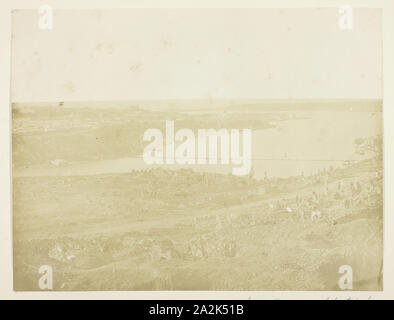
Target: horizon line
pixel 204 99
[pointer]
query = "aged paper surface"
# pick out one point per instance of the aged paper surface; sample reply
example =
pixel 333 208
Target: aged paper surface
pixel 197 149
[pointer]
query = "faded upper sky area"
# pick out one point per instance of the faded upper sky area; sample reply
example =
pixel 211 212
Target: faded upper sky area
pixel 196 54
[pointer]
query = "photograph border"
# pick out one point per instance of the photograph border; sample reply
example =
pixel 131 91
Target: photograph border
pixel 6 267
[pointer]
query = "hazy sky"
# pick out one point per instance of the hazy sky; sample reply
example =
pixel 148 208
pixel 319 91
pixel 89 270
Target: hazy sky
pixel 187 54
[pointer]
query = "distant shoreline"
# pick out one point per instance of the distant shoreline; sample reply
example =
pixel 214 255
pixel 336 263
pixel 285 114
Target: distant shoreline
pixel 366 105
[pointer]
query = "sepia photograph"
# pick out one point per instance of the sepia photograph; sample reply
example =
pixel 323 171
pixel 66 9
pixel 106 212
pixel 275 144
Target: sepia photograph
pixel 191 149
